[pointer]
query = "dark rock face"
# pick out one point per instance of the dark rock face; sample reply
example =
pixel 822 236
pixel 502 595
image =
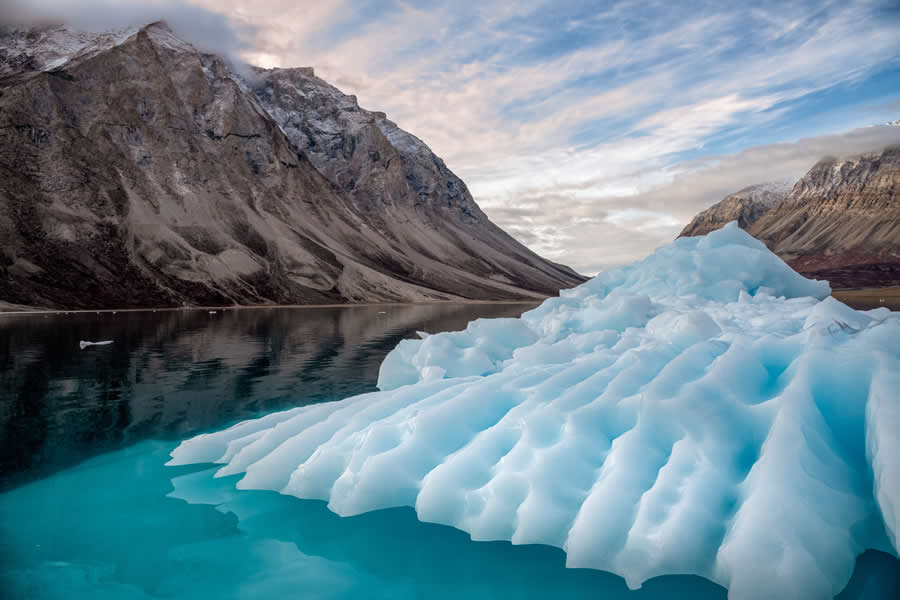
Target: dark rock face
pixel 136 171
pixel 840 222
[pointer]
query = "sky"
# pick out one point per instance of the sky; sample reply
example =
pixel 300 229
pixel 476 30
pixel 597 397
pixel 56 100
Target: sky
pixel 591 131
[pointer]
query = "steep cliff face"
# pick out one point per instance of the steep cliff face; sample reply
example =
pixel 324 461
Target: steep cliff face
pixel 840 222
pixel 397 186
pixel 745 207
pixel 135 171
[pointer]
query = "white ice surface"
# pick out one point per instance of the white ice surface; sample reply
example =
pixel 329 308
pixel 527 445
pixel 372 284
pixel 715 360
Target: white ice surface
pixel 703 411
pixel 83 344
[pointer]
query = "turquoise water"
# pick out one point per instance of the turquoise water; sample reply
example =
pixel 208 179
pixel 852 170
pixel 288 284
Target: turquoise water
pixel 123 526
pixel 90 511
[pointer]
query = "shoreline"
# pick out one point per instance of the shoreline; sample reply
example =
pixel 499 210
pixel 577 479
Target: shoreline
pixel 869 298
pixel 858 298
pixel 27 310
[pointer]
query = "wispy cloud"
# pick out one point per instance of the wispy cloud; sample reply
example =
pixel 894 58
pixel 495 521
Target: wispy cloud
pixel 561 116
pixel 209 30
pixel 595 231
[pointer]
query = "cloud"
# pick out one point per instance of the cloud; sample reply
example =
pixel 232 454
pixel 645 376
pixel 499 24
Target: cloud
pixel 595 231
pixel 891 108
pixel 208 30
pixel 700 183
pixel 580 130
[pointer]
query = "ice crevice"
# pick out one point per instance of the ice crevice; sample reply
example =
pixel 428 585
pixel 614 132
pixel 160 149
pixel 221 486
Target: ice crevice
pixel 705 411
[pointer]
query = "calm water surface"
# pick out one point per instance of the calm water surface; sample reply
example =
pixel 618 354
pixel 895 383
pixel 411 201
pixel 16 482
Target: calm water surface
pixel 87 509
pixel 171 374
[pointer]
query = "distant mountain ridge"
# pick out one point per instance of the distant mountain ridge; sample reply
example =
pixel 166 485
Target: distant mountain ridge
pixel 745 206
pixel 840 221
pixel 138 171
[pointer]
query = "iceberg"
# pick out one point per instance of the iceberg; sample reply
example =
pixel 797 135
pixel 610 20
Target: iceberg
pixel 705 411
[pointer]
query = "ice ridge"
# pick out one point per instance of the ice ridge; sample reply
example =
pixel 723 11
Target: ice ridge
pixel 705 411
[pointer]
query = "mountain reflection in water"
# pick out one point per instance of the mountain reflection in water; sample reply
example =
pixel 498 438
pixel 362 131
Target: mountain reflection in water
pixel 171 374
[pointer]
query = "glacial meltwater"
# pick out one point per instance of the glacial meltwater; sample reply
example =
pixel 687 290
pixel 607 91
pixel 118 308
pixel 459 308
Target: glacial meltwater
pixel 88 508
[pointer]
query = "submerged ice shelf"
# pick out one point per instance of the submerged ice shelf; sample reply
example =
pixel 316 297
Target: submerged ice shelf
pixel 705 411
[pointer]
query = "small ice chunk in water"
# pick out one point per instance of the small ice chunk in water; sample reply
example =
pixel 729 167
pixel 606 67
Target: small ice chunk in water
pixel 83 344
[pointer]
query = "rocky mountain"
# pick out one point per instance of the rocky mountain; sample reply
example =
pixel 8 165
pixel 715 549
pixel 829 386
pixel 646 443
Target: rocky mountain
pixel 840 222
pixel 745 207
pixel 137 170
